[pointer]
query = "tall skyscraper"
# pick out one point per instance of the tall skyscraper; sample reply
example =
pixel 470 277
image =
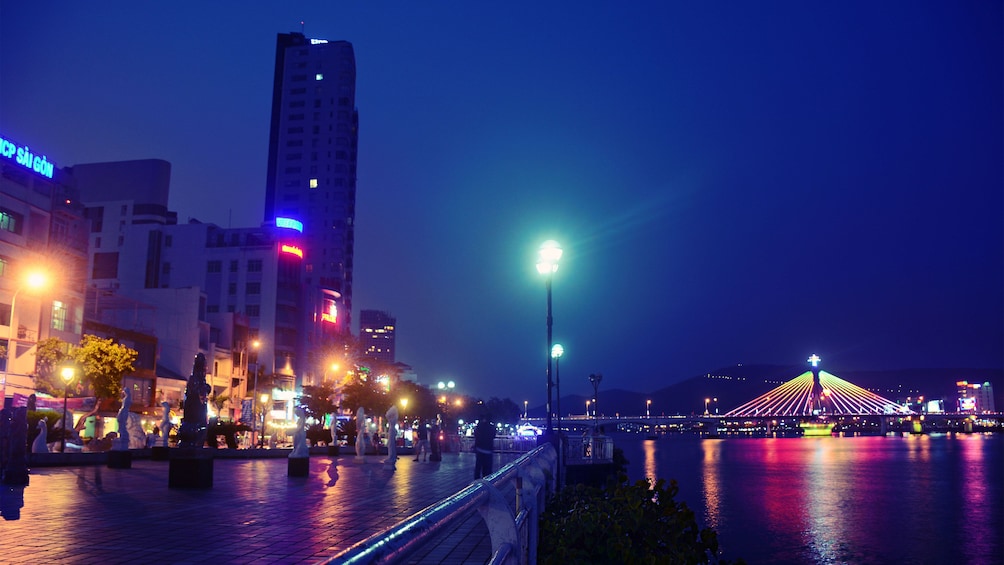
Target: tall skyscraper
pixel 312 173
pixel 376 334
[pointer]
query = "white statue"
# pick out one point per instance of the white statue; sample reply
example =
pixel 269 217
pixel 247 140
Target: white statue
pixel 391 461
pixel 122 443
pixel 360 432
pixel 300 436
pixel 165 424
pixel 41 445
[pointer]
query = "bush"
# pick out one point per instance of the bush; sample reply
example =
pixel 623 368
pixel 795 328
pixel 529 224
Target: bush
pixel 623 524
pixel 318 434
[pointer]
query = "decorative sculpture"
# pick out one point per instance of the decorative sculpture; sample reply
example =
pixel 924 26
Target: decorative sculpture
pixel 360 432
pixel 300 436
pixel 122 443
pixel 165 423
pixel 195 423
pixel 40 445
pixel 391 462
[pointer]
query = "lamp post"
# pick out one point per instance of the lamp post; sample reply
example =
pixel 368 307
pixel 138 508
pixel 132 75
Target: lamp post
pixel 547 264
pixel 67 373
pixel 556 352
pixel 648 407
pixel 595 379
pixel 261 436
pixel 587 407
pixel 34 281
pixel 525 403
pixel 706 401
pixel 254 417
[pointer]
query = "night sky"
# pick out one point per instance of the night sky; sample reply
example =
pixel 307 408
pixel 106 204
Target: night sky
pixel 733 182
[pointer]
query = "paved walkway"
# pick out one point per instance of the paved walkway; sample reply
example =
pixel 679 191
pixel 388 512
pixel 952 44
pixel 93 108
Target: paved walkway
pixel 254 513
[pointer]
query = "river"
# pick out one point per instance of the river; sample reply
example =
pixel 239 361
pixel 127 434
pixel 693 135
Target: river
pixel 935 498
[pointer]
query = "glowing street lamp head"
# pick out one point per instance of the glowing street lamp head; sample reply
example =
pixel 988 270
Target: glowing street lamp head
pixel 36 280
pixel 548 257
pixel 67 373
pixel 557 351
pixel 814 360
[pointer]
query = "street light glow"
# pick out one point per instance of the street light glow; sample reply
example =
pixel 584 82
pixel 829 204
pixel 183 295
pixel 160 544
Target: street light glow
pixel 557 351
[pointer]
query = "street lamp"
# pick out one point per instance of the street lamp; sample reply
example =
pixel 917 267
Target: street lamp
pixel 547 264
pixel 648 406
pixel 254 418
pixel 525 403
pixel 556 352
pixel 587 407
pixel 706 401
pixel 67 373
pixel 261 436
pixel 35 280
pixel 595 380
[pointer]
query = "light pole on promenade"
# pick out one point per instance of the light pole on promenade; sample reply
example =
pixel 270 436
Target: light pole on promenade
pixel 254 417
pixel 648 407
pixel 67 373
pixel 547 264
pixel 556 352
pixel 261 436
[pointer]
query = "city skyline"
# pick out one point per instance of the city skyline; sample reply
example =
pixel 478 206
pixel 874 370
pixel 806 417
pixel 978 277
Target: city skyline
pixel 731 184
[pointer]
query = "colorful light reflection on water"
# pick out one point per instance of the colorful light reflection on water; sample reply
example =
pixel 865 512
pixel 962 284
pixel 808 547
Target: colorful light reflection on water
pixel 912 499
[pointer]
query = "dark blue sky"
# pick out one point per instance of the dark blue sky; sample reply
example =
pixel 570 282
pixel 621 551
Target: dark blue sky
pixel 733 182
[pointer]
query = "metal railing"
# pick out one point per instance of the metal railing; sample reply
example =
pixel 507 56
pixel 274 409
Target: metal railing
pixel 513 528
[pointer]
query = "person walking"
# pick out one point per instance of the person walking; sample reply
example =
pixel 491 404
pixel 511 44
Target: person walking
pixel 423 442
pixel 484 447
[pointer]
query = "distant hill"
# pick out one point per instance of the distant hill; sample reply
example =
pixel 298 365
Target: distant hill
pixel 733 386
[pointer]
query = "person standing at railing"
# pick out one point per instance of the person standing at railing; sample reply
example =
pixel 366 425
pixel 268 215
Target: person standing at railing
pixel 484 445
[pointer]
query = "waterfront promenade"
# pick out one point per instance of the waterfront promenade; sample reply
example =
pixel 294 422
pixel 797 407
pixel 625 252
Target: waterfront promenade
pixel 254 513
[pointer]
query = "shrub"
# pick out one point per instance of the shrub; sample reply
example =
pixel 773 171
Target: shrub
pixel 623 524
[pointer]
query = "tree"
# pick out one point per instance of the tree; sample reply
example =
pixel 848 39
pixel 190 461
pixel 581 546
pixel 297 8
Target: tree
pixel 366 393
pixel 316 401
pixel 103 363
pixel 421 401
pixel 50 353
pixel 503 410
pixel 621 523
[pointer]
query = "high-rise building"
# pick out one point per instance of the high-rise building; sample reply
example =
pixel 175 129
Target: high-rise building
pixel 376 334
pixel 312 173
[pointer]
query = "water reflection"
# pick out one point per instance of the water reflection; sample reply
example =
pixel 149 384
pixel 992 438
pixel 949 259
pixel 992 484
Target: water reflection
pixel 712 449
pixel 651 468
pixel 11 501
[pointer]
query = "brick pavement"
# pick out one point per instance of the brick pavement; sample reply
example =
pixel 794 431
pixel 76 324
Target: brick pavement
pixel 254 513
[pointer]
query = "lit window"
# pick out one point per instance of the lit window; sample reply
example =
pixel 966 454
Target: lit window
pixel 319 76
pixel 313 183
pixel 58 315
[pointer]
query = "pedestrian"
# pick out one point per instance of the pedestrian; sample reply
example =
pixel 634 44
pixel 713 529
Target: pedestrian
pixel 423 442
pixel 484 446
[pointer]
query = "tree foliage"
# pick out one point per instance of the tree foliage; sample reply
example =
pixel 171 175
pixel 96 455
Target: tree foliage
pixel 365 393
pixel 622 523
pixel 102 363
pixel 316 401
pixel 50 353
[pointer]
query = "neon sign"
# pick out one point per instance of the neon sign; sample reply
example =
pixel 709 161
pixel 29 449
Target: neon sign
pixel 24 157
pixel 292 250
pixel 332 313
pixel 289 223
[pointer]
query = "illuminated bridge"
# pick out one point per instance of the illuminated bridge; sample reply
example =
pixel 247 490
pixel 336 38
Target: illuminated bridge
pixel 818 393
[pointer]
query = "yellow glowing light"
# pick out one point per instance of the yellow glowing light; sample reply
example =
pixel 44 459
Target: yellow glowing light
pixel 292 250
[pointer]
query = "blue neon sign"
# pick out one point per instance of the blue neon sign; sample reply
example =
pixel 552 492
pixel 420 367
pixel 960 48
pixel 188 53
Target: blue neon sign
pixel 23 156
pixel 289 223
